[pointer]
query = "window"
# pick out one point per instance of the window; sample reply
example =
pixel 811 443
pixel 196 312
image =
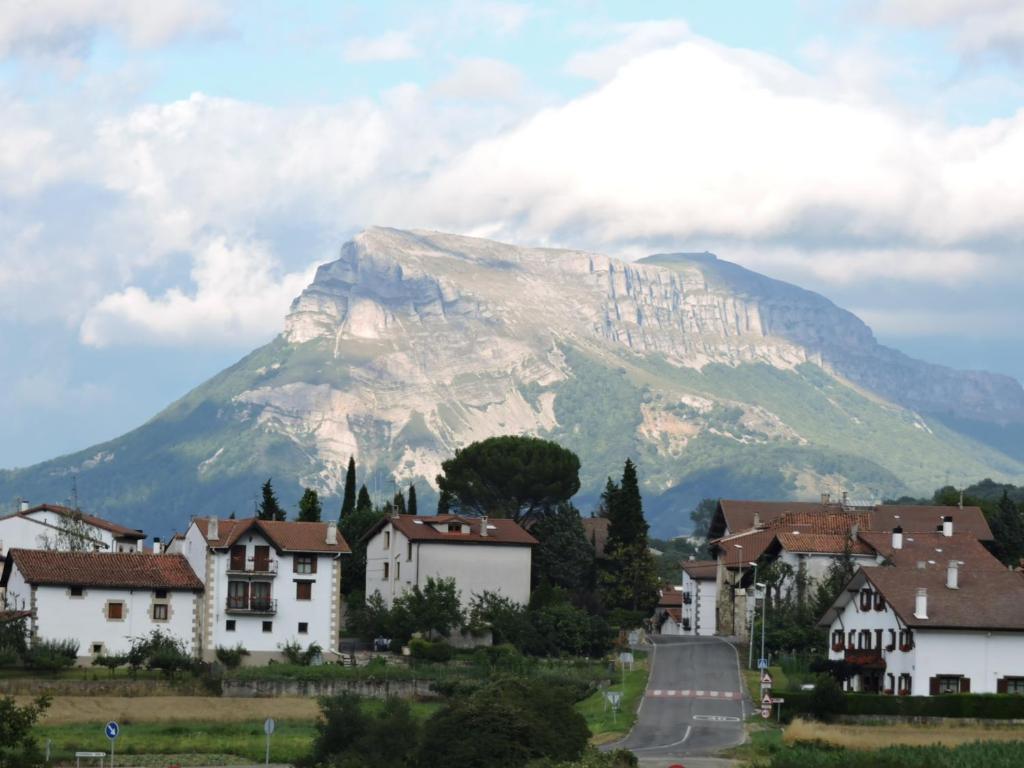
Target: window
pixel 904 685
pixel 303 627
pixel 1011 685
pixel 237 558
pixel 160 612
pixel 229 625
pixel 305 564
pixel 387 567
pixel 837 640
pixel 387 539
pixel 160 594
pixel 77 591
pixel 945 684
pixel 260 599
pixel 97 649
pixel 398 570
pixel 238 594
pixel 303 590
pixel 408 552
pixel 268 626
pixel 115 611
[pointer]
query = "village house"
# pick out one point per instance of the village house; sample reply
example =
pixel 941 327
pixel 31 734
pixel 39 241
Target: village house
pixel 52 526
pixel 805 538
pixel 267 583
pixel 939 615
pixel 480 554
pixel 103 600
pixel 689 609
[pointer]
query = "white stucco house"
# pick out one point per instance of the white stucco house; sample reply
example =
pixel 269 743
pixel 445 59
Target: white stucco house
pixel 103 600
pixel 480 554
pixel 700 590
pixel 46 526
pixel 267 583
pixel 938 615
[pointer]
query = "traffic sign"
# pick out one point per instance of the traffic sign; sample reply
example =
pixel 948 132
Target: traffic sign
pixel 112 729
pixel 268 726
pixel 778 701
pixel 766 700
pixel 766 679
pixel 613 698
pixel 762 663
pixel 766 712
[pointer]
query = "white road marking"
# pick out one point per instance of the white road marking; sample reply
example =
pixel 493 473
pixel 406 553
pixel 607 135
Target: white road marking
pixel 665 746
pixel 717 718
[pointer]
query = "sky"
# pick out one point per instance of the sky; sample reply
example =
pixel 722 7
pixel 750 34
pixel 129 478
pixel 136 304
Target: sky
pixel 171 173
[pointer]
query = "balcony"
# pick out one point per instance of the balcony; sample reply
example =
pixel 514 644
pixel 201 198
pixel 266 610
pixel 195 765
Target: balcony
pixel 261 606
pixel 264 567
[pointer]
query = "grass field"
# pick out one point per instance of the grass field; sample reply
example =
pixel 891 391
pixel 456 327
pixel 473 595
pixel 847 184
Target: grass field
pixel 898 734
pixel 606 725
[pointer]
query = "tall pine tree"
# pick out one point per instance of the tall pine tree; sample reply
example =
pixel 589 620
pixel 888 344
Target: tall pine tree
pixel 309 507
pixel 444 503
pixel 269 508
pixel 399 502
pixel 363 503
pixel 630 578
pixel 412 499
pixel 348 500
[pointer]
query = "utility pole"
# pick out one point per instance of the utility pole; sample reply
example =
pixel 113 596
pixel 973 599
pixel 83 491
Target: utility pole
pixel 750 639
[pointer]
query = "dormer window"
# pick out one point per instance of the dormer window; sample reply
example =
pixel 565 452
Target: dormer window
pixel 454 528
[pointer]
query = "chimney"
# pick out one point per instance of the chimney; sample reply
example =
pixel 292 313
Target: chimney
pixel 212 529
pixel 332 533
pixel 826 498
pixel 844 498
pixel 157 546
pixel 757 520
pixel 947 525
pixel 921 604
pixel 23 506
pixel 897 537
pixel 854 530
pixel 483 525
pixel 952 573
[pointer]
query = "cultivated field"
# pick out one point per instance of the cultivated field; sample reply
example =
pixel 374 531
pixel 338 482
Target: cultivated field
pixel 898 734
pixel 66 710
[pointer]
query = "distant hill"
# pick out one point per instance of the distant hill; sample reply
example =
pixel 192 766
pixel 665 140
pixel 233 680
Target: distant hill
pixel 718 381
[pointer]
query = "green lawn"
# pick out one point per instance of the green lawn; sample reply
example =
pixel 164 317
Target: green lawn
pixel 605 724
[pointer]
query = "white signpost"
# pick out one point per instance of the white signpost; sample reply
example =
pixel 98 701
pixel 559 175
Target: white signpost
pixel 112 730
pixel 268 728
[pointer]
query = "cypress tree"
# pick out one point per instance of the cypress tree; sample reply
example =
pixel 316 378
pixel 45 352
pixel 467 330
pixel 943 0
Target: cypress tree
pixel 399 503
pixel 269 508
pixel 363 503
pixel 630 576
pixel 626 524
pixel 444 503
pixel 348 500
pixel 412 499
pixel 309 507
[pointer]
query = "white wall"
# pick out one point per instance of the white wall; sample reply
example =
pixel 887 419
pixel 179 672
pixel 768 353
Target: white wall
pixel 984 657
pixel 476 568
pixel 18 532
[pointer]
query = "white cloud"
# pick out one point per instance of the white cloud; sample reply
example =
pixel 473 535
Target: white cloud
pixel 240 296
pixel 975 25
pixel 483 79
pixel 67 27
pixel 502 17
pixel 394 45
pixel 632 40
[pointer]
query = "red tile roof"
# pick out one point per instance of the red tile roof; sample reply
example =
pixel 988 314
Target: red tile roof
pixel 702 570
pixel 420 528
pixel 936 548
pixel 284 535
pixel 823 543
pixel 670 597
pixel 752 545
pixel 119 531
pixel 128 570
pixel 827 522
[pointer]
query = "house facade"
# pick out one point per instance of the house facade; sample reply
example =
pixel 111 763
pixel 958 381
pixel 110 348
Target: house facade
pixel 267 583
pixel 51 526
pixel 481 555
pixel 700 589
pixel 103 600
pixel 941 615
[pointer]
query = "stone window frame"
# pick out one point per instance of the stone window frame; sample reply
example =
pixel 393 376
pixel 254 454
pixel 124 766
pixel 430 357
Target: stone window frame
pixel 167 612
pixel 102 648
pixel 79 596
pixel 124 609
pixel 165 601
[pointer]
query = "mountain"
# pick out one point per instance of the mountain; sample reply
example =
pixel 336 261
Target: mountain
pixel 715 379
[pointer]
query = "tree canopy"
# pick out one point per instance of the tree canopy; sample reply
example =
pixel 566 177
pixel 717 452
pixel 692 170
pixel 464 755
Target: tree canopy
pixel 269 508
pixel 509 476
pixel 630 576
pixel 348 500
pixel 309 507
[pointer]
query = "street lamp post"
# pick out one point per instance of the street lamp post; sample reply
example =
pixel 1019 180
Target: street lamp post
pixel 736 584
pixel 750 632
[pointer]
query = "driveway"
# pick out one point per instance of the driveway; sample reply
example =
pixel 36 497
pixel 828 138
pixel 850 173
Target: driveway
pixel 694 704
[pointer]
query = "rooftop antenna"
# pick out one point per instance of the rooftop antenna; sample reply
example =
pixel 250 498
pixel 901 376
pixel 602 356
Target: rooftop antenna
pixel 74 493
pixel 961 505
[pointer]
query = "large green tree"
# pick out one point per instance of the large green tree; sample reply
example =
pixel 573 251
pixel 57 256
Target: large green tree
pixel 18 746
pixel 629 577
pixel 510 476
pixel 563 557
pixel 348 499
pixel 269 508
pixel 353 527
pixel 701 516
pixel 309 507
pixel 412 507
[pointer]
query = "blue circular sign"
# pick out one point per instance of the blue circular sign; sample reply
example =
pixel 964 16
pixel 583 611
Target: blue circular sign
pixel 112 729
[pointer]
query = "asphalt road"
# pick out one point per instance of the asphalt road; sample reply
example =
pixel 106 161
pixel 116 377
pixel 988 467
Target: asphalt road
pixel 694 703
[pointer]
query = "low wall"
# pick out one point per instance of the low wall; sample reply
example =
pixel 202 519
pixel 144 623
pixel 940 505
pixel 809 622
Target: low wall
pixel 378 689
pixel 37 686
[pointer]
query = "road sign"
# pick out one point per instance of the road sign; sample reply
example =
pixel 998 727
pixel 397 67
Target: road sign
pixel 766 679
pixel 778 701
pixel 762 663
pixel 613 698
pixel 766 712
pixel 268 726
pixel 626 658
pixel 112 729
pixel 766 700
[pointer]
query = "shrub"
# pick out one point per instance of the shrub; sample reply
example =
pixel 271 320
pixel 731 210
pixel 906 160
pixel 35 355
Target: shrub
pixel 18 748
pixel 592 758
pixel 231 657
pixel 13 641
pixel 294 653
pixel 974 705
pixel 349 737
pixel 425 650
pixel 110 662
pixel 159 651
pixel 52 655
pixel 827 699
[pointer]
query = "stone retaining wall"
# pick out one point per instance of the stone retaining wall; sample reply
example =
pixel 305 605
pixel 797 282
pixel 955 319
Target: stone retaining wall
pixel 378 689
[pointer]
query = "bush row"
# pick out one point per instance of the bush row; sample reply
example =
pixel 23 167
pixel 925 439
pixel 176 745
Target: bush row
pixel 977 755
pixel 982 706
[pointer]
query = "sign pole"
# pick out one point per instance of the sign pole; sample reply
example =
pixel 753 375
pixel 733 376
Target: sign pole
pixel 268 728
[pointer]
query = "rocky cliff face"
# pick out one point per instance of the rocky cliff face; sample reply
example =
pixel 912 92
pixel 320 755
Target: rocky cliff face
pixel 714 379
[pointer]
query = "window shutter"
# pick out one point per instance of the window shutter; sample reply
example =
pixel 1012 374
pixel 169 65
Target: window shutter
pixel 933 686
pixel 965 685
pixel 1001 686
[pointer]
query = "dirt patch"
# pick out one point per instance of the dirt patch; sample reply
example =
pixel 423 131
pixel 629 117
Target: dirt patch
pixel 902 734
pixel 169 709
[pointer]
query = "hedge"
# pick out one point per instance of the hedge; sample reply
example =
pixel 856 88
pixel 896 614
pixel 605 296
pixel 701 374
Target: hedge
pixel 989 706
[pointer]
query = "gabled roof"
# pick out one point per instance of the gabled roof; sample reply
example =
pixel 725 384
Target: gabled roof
pixel 119 531
pixel 744 548
pixel 823 543
pixel 420 528
pixel 125 570
pixel 701 570
pixel 283 535
pixel 934 548
pixel 738 516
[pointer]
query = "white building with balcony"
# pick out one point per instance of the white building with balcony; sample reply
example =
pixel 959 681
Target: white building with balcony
pixel 267 583
pixel 938 615
pixel 480 554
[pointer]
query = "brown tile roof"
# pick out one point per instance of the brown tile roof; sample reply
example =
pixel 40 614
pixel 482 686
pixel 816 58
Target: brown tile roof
pixel 670 597
pixel 596 529
pixel 419 528
pixel 739 515
pixel 119 531
pixel 284 535
pixel 822 521
pixel 823 543
pixel 6 616
pixel 129 570
pixel 754 544
pixel 935 547
pixel 701 570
